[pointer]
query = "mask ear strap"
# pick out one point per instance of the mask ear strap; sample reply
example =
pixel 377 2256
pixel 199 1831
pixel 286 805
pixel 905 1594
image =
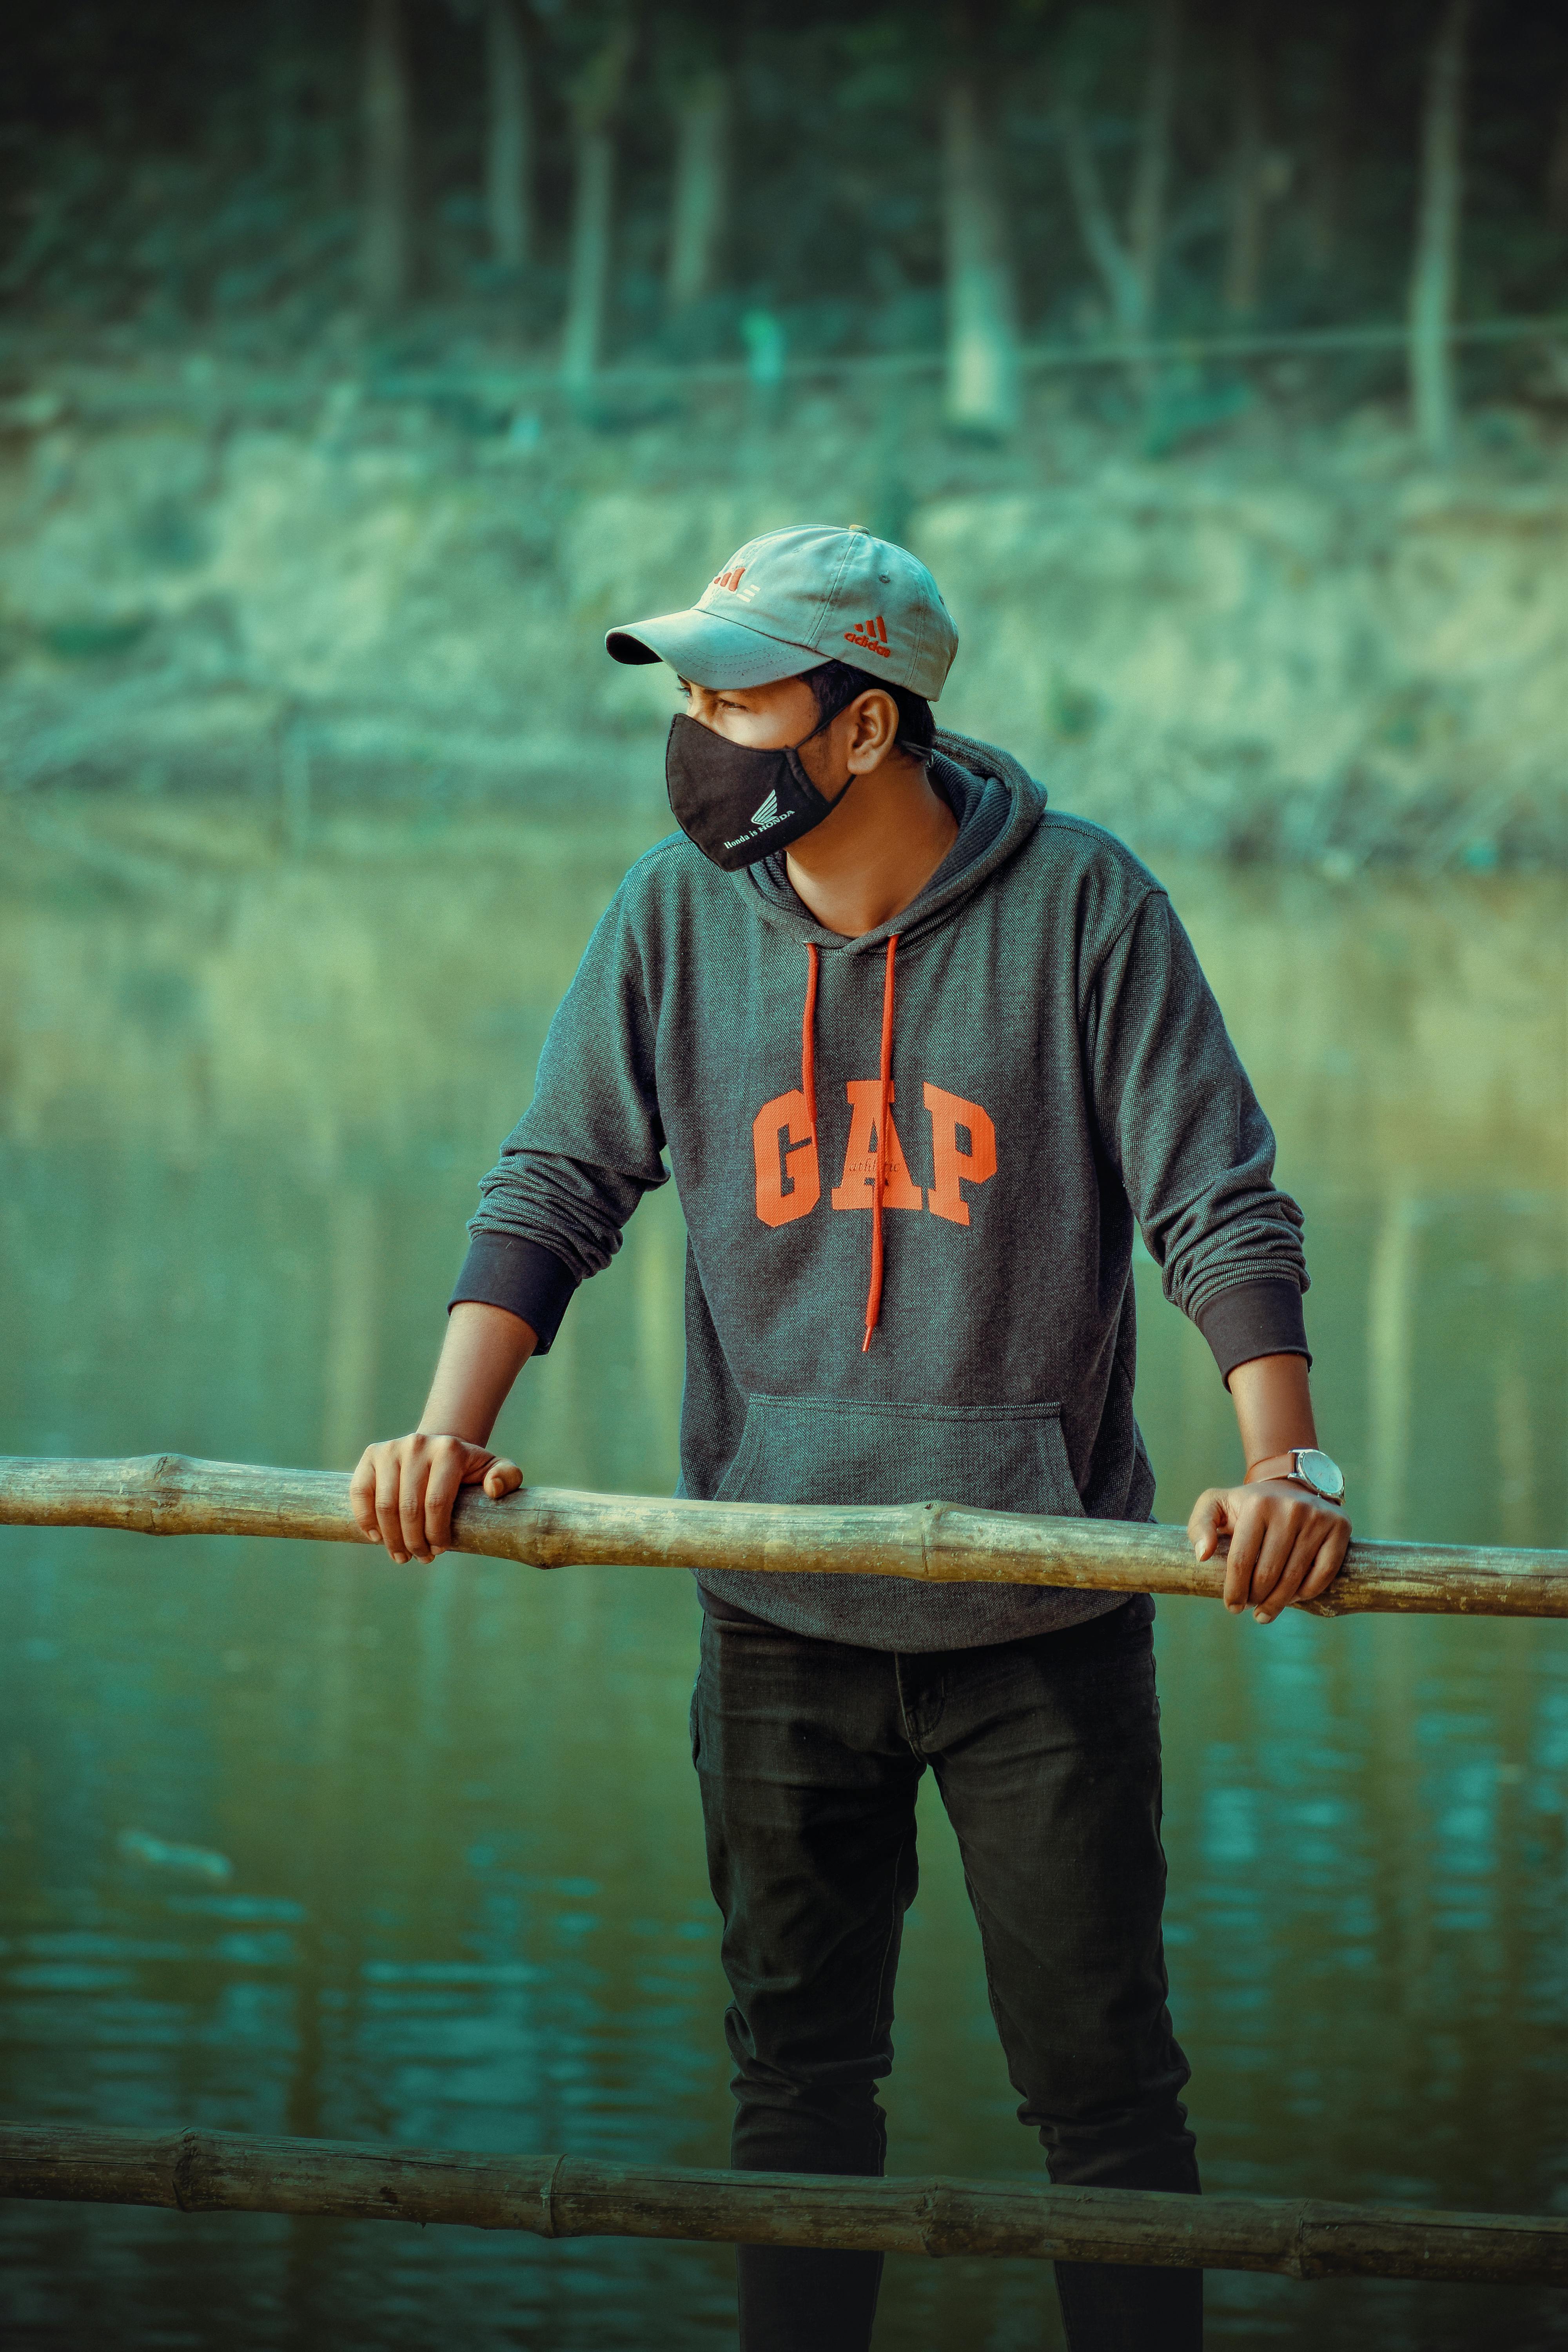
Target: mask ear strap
pixel 797 769
pixel 798 765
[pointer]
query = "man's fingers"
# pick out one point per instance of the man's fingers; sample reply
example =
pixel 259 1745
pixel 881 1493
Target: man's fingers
pixel 1208 1524
pixel 1287 1583
pixel 1282 1527
pixel 403 1490
pixel 1246 1535
pixel 1314 1563
pixel 1282 1548
pixel 447 1472
pixel 416 1467
pixel 388 1484
pixel 362 1496
pixel 1331 1559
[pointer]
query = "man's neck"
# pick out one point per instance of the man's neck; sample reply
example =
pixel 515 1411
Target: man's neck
pixel 876 853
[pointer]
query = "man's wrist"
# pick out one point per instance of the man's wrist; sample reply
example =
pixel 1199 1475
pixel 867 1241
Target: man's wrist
pixel 1271 1466
pixel 1301 1465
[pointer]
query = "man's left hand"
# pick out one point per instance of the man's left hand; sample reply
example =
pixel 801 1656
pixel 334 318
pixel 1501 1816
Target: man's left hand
pixel 1286 1543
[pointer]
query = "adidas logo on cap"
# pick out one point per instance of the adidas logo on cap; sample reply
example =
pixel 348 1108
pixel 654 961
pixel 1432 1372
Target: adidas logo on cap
pixel 872 635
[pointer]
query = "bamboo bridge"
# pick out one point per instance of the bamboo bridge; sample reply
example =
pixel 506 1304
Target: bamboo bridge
pixel 557 2196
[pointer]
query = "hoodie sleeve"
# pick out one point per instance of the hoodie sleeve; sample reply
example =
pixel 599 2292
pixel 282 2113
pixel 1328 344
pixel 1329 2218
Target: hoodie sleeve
pixel 588 1147
pixel 1178 1121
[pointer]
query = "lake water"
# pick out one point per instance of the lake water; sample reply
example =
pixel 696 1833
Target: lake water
pixel 245 1100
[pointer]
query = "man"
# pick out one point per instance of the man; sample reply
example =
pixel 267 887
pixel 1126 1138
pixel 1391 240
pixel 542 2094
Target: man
pixel 920 1051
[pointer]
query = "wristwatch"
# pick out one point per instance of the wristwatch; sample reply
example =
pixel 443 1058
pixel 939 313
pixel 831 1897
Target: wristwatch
pixel 1313 1468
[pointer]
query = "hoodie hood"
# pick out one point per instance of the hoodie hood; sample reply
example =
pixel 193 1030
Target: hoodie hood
pixel 998 805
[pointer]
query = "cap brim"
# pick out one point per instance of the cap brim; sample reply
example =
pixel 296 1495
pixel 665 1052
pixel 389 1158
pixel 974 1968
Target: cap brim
pixel 710 650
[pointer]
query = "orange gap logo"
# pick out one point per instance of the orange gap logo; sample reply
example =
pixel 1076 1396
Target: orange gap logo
pixel 789 1174
pixel 872 635
pixel 732 578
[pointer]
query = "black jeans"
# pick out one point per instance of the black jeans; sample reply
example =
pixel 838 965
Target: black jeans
pixel 1047 1753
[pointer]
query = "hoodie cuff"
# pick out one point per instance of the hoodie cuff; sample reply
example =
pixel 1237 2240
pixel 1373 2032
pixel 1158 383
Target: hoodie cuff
pixel 1256 1318
pixel 526 1278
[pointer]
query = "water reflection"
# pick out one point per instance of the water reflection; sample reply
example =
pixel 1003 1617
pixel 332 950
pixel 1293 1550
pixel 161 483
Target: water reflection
pixel 246 1100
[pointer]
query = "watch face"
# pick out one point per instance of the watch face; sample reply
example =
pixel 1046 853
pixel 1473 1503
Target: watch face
pixel 1321 1471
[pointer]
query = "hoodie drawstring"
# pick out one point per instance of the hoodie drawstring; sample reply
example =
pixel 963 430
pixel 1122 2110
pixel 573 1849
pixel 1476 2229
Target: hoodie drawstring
pixel 881 1166
pixel 884 1158
pixel 808 1040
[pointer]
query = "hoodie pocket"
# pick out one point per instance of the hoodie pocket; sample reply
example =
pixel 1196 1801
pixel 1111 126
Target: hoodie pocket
pixel 823 1450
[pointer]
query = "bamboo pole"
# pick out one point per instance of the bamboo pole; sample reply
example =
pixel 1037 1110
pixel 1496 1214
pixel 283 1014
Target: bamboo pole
pixel 935 1543
pixel 561 2197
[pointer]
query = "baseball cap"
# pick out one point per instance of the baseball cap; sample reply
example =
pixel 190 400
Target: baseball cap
pixel 792 600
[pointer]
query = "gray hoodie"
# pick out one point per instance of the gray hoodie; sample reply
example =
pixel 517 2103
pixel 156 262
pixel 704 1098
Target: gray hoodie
pixel 1057 1067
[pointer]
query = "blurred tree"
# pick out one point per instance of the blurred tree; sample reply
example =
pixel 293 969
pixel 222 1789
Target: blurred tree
pixel 508 141
pixel 983 376
pixel 385 246
pixel 596 101
pixel 1150 180
pixel 1434 273
pixel 1249 167
pixel 1557 170
pixel 1331 139
pixel 1128 266
pixel 258 171
pixel 699 200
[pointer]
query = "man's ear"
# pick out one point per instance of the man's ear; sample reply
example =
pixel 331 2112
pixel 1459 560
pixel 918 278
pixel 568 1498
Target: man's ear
pixel 874 730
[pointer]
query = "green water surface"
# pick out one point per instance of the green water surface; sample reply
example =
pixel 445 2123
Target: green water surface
pixel 461 1900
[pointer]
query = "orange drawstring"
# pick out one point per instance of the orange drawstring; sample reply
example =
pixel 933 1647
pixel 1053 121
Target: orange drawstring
pixel 807 1039
pixel 884 1104
pixel 879 1175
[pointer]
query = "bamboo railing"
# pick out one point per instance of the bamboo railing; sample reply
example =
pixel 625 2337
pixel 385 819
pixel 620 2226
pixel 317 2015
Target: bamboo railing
pixel 936 1543
pixel 562 2197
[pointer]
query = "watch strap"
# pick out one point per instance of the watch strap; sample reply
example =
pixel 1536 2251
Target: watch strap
pixel 1293 1473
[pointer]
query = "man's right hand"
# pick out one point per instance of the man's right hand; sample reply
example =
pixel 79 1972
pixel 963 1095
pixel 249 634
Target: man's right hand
pixel 404 1488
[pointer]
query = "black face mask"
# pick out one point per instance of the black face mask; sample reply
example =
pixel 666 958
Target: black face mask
pixel 736 803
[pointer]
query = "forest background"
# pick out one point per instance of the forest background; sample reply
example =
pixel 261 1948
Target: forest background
pixel 358 365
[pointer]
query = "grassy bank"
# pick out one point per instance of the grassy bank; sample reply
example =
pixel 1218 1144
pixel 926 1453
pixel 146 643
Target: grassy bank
pixel 1281 639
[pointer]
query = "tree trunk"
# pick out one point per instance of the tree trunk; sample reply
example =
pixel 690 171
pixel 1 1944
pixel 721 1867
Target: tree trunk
pixel 509 146
pixel 1432 283
pixel 1557 172
pixel 1243 256
pixel 593 210
pixel 982 383
pixel 1146 211
pixel 1391 1362
pixel 385 249
pixel 1124 286
pixel 699 205
pixel 1326 189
